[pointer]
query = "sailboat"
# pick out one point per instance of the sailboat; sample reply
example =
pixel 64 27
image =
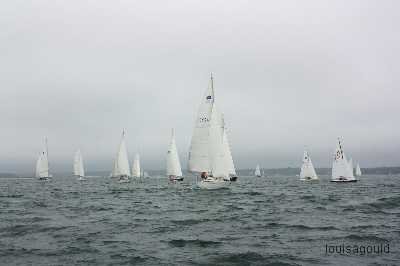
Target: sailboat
pixel 78 166
pixel 342 171
pixel 174 171
pixel 42 164
pixel 121 164
pixel 257 172
pixel 207 153
pixel 358 170
pixel 307 171
pixel 136 167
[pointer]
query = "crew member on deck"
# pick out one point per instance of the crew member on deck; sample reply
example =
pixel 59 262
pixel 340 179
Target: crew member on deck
pixel 203 175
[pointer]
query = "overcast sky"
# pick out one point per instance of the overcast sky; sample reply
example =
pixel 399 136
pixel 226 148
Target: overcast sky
pixel 288 74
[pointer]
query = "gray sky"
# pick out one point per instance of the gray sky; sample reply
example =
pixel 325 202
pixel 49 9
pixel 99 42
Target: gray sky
pixel 288 74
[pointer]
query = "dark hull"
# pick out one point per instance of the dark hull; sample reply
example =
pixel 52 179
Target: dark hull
pixel 344 181
pixel 233 178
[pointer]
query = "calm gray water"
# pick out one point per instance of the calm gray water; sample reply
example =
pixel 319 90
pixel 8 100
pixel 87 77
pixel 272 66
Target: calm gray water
pixel 258 221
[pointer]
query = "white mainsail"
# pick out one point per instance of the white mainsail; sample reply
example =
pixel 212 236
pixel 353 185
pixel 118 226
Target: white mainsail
pixel 340 167
pixel 351 168
pixel 207 151
pixel 78 164
pixel 257 172
pixel 121 163
pixel 358 170
pixel 173 163
pixel 307 171
pixel 136 167
pixel 42 164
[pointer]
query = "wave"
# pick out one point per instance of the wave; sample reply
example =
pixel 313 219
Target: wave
pixel 195 242
pixel 372 238
pixel 189 221
pixel 253 258
pixel 300 226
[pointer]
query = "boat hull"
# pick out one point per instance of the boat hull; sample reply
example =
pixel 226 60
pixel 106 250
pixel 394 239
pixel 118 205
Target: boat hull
pixel 175 178
pixel 309 179
pixel 233 178
pixel 344 181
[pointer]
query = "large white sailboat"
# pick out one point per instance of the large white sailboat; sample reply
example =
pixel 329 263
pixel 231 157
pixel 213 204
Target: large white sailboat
pixel 121 164
pixel 358 170
pixel 174 171
pixel 342 171
pixel 307 171
pixel 78 166
pixel 207 153
pixel 257 172
pixel 42 164
pixel 136 167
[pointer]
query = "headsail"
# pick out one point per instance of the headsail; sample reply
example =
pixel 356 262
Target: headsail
pixel 173 163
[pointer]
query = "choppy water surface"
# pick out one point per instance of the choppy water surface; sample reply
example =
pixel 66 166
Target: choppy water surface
pixel 259 221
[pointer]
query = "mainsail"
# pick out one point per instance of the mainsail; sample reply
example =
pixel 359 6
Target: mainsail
pixel 121 163
pixel 173 164
pixel 136 167
pixel 307 169
pixel 207 151
pixel 78 164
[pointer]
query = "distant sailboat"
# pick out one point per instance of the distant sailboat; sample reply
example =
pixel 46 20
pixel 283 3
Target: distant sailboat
pixel 341 169
pixel 121 164
pixel 78 166
pixel 174 171
pixel 207 153
pixel 257 172
pixel 136 167
pixel 42 164
pixel 358 170
pixel 307 171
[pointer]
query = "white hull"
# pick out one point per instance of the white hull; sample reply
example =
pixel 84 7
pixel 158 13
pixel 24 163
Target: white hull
pixel 212 183
pixel 81 178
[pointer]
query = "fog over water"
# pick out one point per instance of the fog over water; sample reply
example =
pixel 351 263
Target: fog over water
pixel 287 75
